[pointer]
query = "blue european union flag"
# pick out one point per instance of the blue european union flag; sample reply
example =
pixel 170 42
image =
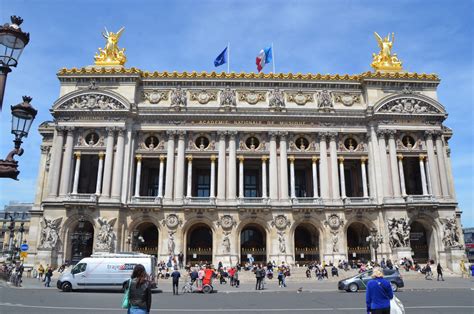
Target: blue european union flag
pixel 221 58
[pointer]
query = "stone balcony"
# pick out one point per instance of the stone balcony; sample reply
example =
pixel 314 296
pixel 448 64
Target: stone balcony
pixel 200 201
pixel 81 199
pixel 152 200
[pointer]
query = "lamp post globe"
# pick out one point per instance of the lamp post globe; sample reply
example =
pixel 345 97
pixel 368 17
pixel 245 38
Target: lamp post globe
pixel 12 42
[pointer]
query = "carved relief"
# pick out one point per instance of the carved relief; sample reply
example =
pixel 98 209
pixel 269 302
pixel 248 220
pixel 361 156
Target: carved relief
pixel 300 98
pixel 178 99
pixel 172 221
pixel 203 96
pixel 325 102
pixel 399 232
pixel 50 232
pixel 277 101
pixel 280 222
pixel 226 222
pixel 106 235
pixel 281 242
pixel 252 97
pixel 155 96
pixel 228 100
pixel 92 102
pixel 347 99
pixel 451 233
pixel 408 105
pixel 334 222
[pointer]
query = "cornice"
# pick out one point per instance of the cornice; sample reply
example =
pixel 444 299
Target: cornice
pixel 247 76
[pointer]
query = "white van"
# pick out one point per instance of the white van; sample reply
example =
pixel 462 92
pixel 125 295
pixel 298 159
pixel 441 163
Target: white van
pixel 105 271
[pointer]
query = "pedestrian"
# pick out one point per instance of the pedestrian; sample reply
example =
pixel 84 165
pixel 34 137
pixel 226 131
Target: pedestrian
pixel 201 273
pixel 175 278
pixel 334 271
pixel 48 276
pixel 236 277
pixel 378 294
pixel 40 272
pixel 139 291
pixel 258 276
pixel 231 273
pixel 463 269
pixel 428 272
pixel 439 270
pixel 180 260
pixel 193 275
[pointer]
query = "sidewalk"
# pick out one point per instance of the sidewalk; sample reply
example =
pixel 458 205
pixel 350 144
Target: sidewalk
pixel 306 285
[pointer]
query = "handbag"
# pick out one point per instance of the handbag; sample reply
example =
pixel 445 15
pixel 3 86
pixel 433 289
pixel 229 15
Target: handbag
pixel 396 306
pixel 125 300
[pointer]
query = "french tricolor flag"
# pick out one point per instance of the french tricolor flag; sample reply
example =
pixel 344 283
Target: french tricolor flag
pixel 264 57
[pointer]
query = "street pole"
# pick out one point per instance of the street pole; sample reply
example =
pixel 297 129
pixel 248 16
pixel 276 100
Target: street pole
pixel 3 81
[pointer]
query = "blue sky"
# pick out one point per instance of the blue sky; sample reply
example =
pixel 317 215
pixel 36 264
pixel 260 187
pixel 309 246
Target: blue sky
pixel 308 36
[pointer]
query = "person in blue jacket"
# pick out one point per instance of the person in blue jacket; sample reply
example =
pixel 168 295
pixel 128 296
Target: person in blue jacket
pixel 378 294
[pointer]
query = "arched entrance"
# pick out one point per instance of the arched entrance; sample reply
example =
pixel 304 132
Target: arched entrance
pixel 145 239
pixel 357 246
pixel 419 242
pixel 82 239
pixel 199 244
pixel 253 244
pixel 306 244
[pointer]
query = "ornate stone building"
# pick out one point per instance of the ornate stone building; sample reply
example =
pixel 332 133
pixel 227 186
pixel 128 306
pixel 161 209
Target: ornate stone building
pixel 222 166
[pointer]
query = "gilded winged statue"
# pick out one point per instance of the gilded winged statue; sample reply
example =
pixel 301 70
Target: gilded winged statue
pixel 111 54
pixel 385 60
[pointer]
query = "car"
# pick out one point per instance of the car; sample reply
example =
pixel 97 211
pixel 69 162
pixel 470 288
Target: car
pixel 359 281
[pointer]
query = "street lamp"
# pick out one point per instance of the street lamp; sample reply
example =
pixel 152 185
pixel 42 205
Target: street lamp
pixel 12 42
pixel 11 227
pixel 23 115
pixel 374 240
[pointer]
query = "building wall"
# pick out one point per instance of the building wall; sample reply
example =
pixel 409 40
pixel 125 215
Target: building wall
pixel 126 106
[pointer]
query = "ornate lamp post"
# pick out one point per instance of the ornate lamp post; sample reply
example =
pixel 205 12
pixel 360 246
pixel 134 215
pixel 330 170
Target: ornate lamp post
pixel 22 117
pixel 12 42
pixel 374 240
pixel 11 227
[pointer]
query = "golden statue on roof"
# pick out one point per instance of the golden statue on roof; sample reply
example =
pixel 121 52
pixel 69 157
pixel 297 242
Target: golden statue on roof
pixel 385 60
pixel 111 54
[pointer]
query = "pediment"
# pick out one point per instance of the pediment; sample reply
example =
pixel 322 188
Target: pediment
pixel 92 100
pixel 409 104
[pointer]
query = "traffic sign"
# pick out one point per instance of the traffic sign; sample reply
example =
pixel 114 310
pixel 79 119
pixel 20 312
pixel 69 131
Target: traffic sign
pixel 24 247
pixel 23 254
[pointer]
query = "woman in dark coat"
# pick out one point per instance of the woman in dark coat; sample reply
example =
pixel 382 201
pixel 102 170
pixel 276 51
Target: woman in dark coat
pixel 140 292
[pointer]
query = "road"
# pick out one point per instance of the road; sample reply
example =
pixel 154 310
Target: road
pixel 53 301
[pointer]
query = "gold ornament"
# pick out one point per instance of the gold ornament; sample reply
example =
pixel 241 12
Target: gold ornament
pixel 111 54
pixel 385 60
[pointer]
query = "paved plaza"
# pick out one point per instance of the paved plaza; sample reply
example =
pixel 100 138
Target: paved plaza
pixel 418 296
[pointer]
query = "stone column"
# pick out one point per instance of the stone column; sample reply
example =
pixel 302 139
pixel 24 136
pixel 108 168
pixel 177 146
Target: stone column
pixel 213 177
pixel 221 166
pixel 364 176
pixel 179 179
pixel 169 165
pixel 432 163
pixel 190 176
pixel 323 167
pixel 99 173
pixel 118 165
pixel 109 152
pixel 241 176
pixel 449 170
pixel 55 164
pixel 77 170
pixel 67 161
pixel 342 176
pixel 402 175
pixel 428 179
pixel 161 176
pixel 232 181
pixel 375 166
pixel 273 173
pixel 442 165
pixel 264 176
pixel 292 176
pixel 138 175
pixel 315 176
pixel 283 167
pixel 423 175
pixel 334 172
pixel 392 148
pixel 383 162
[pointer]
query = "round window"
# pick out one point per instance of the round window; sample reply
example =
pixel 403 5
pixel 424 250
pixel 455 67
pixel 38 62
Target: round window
pixel 202 142
pixel 408 141
pixel 151 142
pixel 92 139
pixel 252 142
pixel 302 143
pixel 350 143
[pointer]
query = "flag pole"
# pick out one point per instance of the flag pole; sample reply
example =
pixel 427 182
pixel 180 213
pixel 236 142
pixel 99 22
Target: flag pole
pixel 273 59
pixel 228 57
